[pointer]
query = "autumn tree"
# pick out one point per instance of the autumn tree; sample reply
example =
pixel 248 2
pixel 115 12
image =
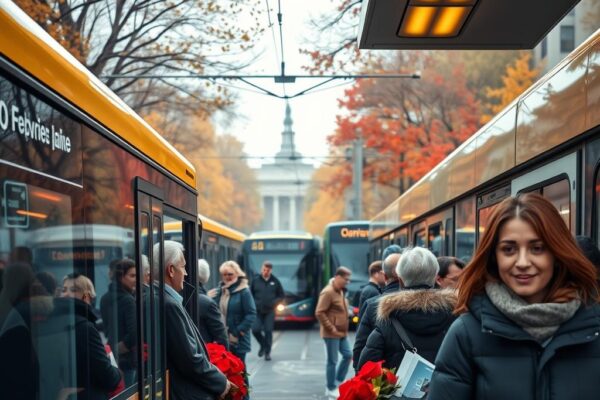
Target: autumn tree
pixel 122 41
pixel 518 77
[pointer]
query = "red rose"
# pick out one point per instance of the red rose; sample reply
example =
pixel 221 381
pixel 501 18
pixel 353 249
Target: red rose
pixel 357 389
pixel 390 377
pixel 370 370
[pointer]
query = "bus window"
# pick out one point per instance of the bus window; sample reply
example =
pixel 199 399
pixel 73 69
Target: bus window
pixel 434 238
pixel 402 237
pixel 449 230
pixel 465 229
pixel 558 193
pixel 596 223
pixel 420 238
pixel 486 204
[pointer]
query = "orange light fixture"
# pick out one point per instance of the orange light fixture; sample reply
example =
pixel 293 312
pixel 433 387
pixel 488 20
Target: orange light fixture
pixel 435 18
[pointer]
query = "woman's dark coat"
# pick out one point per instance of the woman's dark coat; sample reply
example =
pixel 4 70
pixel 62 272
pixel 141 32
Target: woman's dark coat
pixel 425 315
pixel 118 311
pixel 210 320
pixel 241 313
pixel 70 347
pixel 487 356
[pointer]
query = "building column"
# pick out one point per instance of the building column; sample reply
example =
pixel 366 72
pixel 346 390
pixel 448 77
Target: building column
pixel 293 213
pixel 275 213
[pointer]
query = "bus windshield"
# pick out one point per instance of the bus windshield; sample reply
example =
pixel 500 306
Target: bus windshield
pixel 290 268
pixel 353 256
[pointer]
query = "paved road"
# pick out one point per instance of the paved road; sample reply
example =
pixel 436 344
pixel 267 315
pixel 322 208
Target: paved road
pixel 297 371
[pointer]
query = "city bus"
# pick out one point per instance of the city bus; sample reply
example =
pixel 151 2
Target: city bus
pixel 546 141
pixel 296 263
pixel 346 243
pixel 84 181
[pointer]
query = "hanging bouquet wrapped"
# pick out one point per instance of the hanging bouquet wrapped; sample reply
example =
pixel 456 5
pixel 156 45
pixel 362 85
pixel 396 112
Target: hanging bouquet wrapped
pixel 231 366
pixel 372 382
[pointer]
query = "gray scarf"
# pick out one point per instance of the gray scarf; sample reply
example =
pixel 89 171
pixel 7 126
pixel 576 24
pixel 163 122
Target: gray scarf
pixel 540 320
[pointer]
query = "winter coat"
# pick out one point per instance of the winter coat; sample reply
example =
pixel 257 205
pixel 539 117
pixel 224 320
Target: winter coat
pixel 241 314
pixel 266 293
pixel 332 313
pixel 425 315
pixel 118 311
pixel 71 353
pixel 193 377
pixel 210 320
pixel 487 356
pixel 368 291
pixel 368 317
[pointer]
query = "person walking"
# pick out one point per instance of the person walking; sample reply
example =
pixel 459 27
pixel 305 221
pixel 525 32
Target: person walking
pixel 332 313
pixel 529 326
pixel 376 282
pixel 423 312
pixel 267 292
pixel 210 319
pixel 191 373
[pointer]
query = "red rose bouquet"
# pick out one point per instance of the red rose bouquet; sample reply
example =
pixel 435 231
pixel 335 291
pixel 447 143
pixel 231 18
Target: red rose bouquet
pixel 372 382
pixel 231 366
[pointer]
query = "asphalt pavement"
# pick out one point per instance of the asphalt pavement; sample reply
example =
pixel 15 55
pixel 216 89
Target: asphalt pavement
pixel 297 368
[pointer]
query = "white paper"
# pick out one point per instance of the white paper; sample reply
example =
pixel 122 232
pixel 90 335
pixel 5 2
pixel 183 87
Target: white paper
pixel 414 376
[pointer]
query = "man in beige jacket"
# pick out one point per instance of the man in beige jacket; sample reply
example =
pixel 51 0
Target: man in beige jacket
pixel 332 313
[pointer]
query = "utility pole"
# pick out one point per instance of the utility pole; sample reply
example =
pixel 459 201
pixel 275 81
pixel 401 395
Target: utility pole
pixel 358 174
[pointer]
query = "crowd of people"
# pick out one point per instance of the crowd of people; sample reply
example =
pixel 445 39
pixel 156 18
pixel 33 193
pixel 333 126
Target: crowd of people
pixel 58 342
pixel 522 320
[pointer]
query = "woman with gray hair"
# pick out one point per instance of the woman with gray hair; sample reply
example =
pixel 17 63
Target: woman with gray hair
pixel 423 312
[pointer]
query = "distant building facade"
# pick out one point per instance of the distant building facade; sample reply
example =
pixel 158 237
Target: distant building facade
pixel 283 184
pixel 569 33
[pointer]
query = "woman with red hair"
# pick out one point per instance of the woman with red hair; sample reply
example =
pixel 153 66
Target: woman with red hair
pixel 530 321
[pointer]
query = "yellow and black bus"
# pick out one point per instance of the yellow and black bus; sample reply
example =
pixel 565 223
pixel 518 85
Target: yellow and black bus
pixel 296 263
pixel 546 141
pixel 84 181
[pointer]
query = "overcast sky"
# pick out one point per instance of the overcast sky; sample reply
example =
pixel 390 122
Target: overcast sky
pixel 258 120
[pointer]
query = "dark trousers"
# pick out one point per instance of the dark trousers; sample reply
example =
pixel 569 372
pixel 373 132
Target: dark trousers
pixel 264 323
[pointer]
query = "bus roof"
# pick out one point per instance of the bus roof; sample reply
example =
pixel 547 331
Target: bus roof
pixel 213 226
pixel 280 235
pixel 41 56
pixel 346 223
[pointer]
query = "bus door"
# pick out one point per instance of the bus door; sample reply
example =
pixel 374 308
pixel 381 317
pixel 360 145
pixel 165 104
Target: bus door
pixel 557 182
pixel 149 246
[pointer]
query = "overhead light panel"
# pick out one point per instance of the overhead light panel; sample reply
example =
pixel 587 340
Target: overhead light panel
pixel 435 18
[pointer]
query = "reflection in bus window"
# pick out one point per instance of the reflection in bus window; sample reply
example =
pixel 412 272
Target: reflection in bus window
pixel 465 229
pixel 434 238
pixel 419 238
pixel 558 194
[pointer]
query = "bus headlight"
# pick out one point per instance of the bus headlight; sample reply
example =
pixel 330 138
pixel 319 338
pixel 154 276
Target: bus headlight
pixel 302 307
pixel 355 319
pixel 280 308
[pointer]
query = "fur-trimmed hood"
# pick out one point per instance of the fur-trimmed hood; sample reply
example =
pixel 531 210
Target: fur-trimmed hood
pixel 423 301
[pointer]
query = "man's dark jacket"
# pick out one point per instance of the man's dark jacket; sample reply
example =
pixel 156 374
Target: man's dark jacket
pixel 487 356
pixel 368 318
pixel 210 321
pixel 368 291
pixel 193 377
pixel 266 293
pixel 425 314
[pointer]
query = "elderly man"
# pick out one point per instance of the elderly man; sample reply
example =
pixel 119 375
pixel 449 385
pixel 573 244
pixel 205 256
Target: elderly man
pixel 332 313
pixel 368 314
pixel 425 313
pixel 210 319
pixel 192 374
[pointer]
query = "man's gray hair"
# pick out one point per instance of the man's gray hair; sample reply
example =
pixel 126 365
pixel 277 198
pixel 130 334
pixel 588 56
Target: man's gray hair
pixel 173 254
pixel 418 266
pixel 203 271
pixel 389 265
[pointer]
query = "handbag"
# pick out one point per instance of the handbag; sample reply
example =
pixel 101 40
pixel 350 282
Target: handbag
pixel 414 372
